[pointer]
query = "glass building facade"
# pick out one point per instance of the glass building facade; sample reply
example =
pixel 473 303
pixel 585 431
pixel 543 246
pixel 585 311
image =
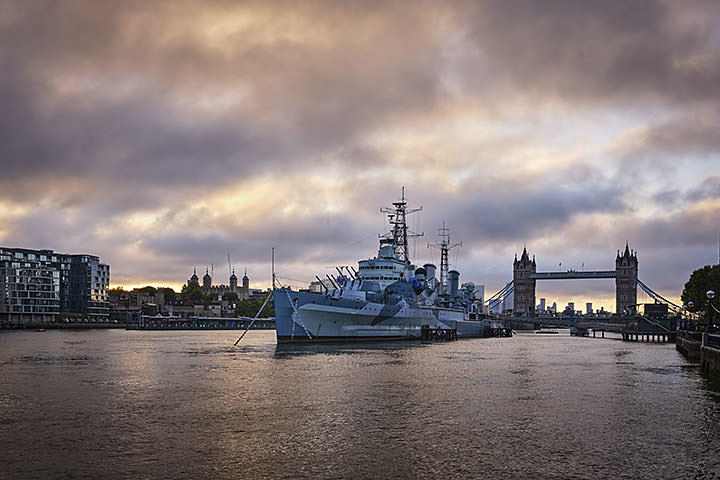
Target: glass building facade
pixel 89 280
pixel 40 286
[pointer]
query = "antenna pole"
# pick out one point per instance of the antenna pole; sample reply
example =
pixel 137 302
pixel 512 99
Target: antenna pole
pixel 445 247
pixel 272 266
pixel 398 235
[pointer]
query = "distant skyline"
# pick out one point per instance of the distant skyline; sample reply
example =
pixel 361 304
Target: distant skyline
pixel 164 135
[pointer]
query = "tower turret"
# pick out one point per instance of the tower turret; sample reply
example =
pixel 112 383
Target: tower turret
pixel 194 278
pixel 207 280
pixel 524 295
pixel 626 274
pixel 233 282
pixel 245 281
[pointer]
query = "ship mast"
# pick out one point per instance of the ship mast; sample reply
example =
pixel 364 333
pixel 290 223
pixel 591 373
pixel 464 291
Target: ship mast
pixel 399 233
pixel 445 247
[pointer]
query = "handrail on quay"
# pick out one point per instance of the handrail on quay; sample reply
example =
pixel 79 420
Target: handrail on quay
pixel 711 340
pixel 690 335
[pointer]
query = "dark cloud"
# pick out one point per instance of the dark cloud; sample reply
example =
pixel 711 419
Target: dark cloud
pixel 95 89
pixel 517 209
pixel 667 197
pixel 690 226
pixel 88 98
pixel 313 238
pixel 694 133
pixel 709 188
pixel 629 51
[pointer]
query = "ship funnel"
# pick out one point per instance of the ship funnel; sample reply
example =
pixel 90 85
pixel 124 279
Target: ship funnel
pixel 430 275
pixel 429 271
pixel 454 280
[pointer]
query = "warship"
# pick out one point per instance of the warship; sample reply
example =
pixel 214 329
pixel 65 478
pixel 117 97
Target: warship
pixel 385 298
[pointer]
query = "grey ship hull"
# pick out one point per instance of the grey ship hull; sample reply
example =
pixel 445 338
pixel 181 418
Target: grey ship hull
pixel 303 317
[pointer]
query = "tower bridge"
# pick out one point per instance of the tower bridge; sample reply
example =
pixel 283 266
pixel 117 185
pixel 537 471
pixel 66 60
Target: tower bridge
pixel 525 277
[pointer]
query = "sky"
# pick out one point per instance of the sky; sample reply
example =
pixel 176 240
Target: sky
pixel 165 135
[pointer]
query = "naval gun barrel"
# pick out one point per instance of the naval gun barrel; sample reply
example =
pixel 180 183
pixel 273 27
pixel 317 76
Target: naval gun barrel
pixel 321 283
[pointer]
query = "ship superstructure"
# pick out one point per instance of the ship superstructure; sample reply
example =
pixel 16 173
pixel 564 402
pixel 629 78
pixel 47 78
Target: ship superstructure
pixel 392 262
pixel 387 298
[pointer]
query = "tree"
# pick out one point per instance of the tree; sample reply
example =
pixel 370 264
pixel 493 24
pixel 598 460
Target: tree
pixel 149 290
pixel 701 280
pixel 230 297
pixel 116 292
pixel 168 293
pixel 192 292
pixel 250 307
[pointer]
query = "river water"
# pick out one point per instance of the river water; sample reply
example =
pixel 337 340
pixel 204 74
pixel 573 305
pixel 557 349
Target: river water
pixel 189 404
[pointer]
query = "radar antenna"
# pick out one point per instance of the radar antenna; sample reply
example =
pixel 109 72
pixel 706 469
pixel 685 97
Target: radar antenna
pixel 444 246
pixel 399 233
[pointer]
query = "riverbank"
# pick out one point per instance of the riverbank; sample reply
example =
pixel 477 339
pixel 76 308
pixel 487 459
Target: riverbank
pixel 61 326
pixel 702 348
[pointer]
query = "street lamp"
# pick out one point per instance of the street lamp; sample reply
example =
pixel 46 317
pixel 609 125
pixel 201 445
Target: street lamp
pixel 690 306
pixel 710 295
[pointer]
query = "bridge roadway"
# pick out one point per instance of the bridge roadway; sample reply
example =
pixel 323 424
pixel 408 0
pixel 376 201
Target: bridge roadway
pixel 581 324
pixel 608 327
pixel 572 274
pixel 567 321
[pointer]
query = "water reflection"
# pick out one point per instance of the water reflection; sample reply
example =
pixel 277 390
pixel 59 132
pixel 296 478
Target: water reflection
pixel 289 350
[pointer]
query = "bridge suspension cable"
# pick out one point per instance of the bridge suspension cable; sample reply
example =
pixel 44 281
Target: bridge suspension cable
pixel 501 293
pixel 659 298
pixel 497 298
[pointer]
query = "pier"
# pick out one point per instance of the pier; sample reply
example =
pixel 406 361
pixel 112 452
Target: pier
pixel 649 329
pixel 634 329
pixel 428 334
pixel 59 325
pixel 147 322
pixel 500 332
pixel 648 337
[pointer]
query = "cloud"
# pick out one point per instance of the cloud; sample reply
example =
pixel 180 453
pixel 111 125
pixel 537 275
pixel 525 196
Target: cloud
pixel 709 188
pixel 166 135
pixel 645 51
pixel 171 107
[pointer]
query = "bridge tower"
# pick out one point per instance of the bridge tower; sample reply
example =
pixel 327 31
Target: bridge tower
pixel 626 274
pixel 524 296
